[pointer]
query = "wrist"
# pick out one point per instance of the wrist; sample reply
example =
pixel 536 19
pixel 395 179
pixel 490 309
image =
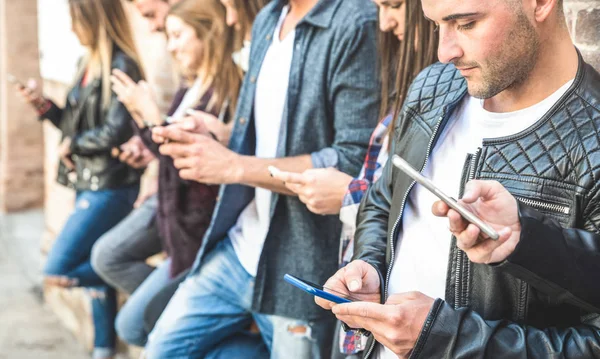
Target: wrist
pixel 42 106
pixel 238 169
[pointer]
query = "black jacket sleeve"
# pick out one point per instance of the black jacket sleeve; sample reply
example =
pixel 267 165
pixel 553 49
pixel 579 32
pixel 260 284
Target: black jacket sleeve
pixel 562 263
pixel 116 128
pixel 53 114
pixel 462 333
pixel 370 238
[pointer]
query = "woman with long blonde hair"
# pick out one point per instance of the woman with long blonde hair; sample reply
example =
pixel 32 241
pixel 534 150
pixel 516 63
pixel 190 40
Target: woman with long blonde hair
pixel 202 45
pixel 93 122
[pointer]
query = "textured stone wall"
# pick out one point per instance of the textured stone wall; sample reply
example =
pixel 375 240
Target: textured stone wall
pixel 583 19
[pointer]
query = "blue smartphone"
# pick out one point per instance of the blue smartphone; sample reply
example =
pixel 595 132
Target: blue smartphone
pixel 318 290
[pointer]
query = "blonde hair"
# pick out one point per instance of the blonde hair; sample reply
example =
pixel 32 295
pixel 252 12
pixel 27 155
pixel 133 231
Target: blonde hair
pixel 220 73
pixel 105 26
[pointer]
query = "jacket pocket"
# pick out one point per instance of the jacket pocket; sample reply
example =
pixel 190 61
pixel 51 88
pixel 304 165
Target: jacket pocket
pixel 546 206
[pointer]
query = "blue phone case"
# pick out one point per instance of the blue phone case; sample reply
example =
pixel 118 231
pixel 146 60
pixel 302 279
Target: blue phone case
pixel 307 287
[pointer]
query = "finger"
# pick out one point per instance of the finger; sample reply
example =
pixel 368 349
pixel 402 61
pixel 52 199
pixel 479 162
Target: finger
pixel 367 310
pixel 115 81
pixel 68 163
pixel 315 209
pixel 175 134
pixel 324 303
pixel 158 138
pixel 191 124
pixel 32 84
pixel 140 200
pixel 289 177
pixel 123 77
pixel 476 189
pixel 439 209
pixel 115 152
pixel 297 189
pixel 190 175
pixel 119 89
pixel 176 150
pixel 354 322
pixel 482 251
pixel 185 162
pixel 125 156
pixel 457 223
pixel 353 275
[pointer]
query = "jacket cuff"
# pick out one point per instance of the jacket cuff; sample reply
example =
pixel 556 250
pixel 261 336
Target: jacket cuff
pixel 426 330
pixel 327 157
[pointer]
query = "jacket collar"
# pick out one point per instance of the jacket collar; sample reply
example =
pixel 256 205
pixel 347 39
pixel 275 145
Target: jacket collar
pixel 321 15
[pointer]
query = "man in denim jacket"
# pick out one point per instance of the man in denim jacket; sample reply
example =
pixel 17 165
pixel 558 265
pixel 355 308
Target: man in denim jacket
pixel 309 100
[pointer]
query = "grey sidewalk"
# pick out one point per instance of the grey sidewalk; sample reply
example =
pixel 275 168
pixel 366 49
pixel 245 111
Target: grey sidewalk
pixel 28 329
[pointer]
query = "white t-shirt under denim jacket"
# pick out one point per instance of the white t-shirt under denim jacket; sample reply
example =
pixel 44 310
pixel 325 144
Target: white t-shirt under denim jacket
pixel 249 234
pixel 423 244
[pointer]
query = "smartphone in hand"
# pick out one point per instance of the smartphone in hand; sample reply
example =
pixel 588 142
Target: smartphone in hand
pixel 318 290
pixel 405 167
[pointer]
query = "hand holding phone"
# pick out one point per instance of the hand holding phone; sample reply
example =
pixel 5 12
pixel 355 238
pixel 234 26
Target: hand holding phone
pixel 405 167
pixel 28 92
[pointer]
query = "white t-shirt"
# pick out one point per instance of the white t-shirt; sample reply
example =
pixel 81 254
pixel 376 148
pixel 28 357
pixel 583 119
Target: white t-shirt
pixel 249 234
pixel 423 244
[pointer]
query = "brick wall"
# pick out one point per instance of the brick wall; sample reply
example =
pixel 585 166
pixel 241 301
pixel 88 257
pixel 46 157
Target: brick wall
pixel 21 142
pixel 583 19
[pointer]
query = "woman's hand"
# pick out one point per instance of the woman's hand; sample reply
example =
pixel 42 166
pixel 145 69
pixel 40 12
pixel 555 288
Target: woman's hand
pixel 31 94
pixel 64 151
pixel 321 189
pixel 138 98
pixel 221 130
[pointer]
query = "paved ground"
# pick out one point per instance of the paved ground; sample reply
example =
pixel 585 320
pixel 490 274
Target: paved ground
pixel 28 329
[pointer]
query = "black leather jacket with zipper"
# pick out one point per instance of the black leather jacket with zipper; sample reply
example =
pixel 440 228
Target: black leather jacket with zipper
pixel 542 302
pixel 94 132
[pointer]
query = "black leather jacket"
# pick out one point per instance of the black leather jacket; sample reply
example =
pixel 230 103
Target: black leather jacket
pixel 542 302
pixel 94 132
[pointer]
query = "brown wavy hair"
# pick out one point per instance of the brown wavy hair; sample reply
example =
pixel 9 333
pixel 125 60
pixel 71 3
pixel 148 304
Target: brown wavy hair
pixel 403 60
pixel 223 76
pixel 247 11
pixel 104 25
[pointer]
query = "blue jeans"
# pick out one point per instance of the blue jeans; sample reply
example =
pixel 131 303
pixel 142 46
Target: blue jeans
pixel 213 306
pixel 95 213
pixel 130 320
pixel 130 326
pixel 119 256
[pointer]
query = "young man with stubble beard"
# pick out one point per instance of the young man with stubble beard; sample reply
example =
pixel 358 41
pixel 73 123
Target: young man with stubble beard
pixel 511 120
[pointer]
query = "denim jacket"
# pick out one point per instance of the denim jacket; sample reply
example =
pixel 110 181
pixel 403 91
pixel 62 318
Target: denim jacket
pixel 331 111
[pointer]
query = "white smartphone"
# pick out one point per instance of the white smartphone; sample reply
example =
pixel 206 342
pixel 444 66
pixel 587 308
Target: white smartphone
pixel 451 202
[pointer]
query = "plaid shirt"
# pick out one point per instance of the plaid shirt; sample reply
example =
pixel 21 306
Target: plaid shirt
pixel 377 155
pixel 352 342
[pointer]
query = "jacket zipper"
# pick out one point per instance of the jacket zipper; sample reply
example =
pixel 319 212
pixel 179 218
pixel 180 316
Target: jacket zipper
pixel 463 265
pixel 545 205
pixel 393 234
